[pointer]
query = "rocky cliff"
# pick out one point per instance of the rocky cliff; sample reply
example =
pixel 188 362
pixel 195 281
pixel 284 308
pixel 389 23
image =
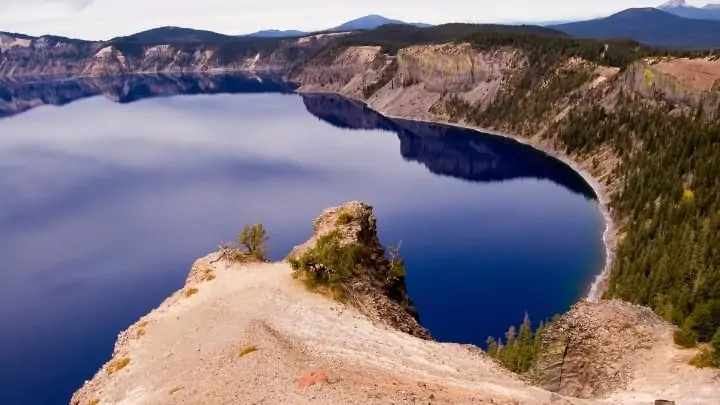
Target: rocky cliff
pixel 369 289
pixel 53 56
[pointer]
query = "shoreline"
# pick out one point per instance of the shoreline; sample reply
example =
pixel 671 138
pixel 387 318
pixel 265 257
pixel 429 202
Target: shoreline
pixel 609 237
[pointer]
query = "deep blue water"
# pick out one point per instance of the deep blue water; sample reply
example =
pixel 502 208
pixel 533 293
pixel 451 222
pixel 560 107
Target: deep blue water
pixel 104 206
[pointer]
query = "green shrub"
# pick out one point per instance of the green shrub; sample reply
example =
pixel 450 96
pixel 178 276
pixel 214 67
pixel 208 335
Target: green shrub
pixel 715 344
pixel 329 263
pixel 344 218
pixel 685 338
pixel 254 239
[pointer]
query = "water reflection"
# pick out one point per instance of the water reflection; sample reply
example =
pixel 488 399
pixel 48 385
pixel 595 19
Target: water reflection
pixel 450 151
pixel 20 95
pixel 444 150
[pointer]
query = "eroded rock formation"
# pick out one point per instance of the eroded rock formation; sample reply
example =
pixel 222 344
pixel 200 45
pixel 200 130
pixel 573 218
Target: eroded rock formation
pixel 371 293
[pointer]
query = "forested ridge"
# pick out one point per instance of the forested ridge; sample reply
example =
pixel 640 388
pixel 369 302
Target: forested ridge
pixel 669 257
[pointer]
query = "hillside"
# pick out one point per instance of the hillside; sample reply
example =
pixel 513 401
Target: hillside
pixel 649 26
pixel 174 35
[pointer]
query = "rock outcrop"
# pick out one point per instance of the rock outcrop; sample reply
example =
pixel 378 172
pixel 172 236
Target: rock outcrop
pixel 594 348
pixel 371 293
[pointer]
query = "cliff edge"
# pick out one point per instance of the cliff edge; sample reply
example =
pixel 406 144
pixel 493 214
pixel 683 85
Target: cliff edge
pixel 251 333
pixel 248 333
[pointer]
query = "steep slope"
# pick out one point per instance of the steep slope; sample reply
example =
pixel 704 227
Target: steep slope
pixel 649 26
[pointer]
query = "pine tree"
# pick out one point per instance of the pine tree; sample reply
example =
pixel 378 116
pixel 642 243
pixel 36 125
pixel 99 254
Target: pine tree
pixel 254 239
pixel 715 343
pixel 525 345
pixel 492 347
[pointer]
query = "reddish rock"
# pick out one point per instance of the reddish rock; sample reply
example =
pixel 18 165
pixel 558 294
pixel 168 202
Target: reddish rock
pixel 312 378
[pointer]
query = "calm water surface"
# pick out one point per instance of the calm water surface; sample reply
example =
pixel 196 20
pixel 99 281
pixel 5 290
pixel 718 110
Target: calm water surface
pixel 104 206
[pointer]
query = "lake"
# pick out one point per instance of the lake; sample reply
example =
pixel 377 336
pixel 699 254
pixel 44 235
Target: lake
pixel 106 201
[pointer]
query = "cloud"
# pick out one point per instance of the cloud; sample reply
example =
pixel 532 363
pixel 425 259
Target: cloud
pixel 76 5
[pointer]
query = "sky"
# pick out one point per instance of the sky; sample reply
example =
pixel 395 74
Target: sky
pixel 104 19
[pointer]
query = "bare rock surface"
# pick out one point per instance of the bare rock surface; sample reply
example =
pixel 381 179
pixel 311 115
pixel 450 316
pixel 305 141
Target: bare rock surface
pixel 591 350
pixel 622 353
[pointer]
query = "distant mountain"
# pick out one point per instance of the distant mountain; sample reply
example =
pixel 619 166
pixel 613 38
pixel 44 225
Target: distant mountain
pixel 170 35
pixel 277 34
pixel 650 26
pixel 682 9
pixel 370 22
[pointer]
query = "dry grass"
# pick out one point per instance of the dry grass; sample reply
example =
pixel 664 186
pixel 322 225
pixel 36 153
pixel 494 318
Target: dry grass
pixel 247 350
pixel 190 292
pixel 94 402
pixel 139 329
pixel 117 365
pixel 207 274
pixel 704 358
pixel 174 390
pixel 233 254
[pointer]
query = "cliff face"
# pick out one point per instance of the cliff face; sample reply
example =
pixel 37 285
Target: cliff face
pixel 415 80
pixel 593 349
pixel 50 56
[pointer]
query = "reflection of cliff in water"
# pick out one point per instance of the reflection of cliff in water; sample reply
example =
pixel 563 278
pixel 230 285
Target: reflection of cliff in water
pixel 17 96
pixel 451 151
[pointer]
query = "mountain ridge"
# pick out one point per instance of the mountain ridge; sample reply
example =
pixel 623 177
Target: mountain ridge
pixel 650 26
pixel 681 8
